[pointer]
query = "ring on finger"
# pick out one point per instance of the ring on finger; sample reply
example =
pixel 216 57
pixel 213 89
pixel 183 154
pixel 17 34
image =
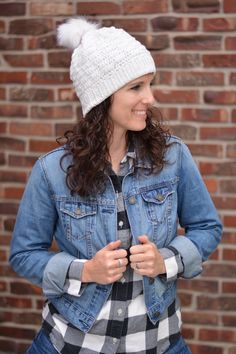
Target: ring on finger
pixel 120 262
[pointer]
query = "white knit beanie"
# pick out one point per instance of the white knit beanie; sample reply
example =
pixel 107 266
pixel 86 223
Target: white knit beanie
pixel 103 60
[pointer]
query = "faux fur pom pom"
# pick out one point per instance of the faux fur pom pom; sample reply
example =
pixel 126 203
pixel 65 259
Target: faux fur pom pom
pixel 70 34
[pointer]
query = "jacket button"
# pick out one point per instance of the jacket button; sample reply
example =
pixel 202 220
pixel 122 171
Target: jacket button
pixel 132 200
pixel 160 197
pixel 78 211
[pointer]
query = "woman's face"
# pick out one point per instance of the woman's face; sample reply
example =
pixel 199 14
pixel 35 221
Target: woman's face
pixel 129 105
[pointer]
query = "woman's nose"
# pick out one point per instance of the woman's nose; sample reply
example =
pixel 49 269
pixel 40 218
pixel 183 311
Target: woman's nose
pixel 148 97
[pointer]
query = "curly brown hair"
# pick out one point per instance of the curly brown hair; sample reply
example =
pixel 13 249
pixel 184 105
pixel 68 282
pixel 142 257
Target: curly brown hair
pixel 88 145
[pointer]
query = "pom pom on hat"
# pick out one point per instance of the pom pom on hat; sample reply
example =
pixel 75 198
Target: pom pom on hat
pixel 70 34
pixel 103 60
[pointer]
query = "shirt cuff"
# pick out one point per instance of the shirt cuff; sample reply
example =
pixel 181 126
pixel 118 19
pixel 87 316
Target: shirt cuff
pixel 173 263
pixel 73 280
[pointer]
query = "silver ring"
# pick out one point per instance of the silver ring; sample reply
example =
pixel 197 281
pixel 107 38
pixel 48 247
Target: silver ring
pixel 120 262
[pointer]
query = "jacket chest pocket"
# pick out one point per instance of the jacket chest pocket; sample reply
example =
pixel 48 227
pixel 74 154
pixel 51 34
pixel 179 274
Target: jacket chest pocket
pixel 158 203
pixel 78 219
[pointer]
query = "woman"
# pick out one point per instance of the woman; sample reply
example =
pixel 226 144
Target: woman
pixel 112 197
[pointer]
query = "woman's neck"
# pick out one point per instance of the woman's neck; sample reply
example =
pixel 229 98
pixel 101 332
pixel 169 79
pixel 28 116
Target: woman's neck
pixel 117 151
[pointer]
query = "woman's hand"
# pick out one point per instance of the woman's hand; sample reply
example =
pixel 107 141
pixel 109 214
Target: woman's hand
pixel 146 259
pixel 107 266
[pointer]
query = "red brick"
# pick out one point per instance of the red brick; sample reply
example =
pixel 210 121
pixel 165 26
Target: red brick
pixel 204 286
pixel 211 184
pixel 31 94
pixel 207 150
pixel 34 26
pixel 24 60
pixel 9 223
pixel 8 208
pixel 218 133
pixel 59 59
pixel 12 9
pixel 2 93
pixel 220 97
pixel 219 270
pixel 2 26
pixel 205 349
pixel 232 79
pixel 21 160
pixel 205 6
pixel 21 288
pixel 185 132
pixel 163 78
pixel 176 96
pixel 229 287
pixel 200 318
pixel 16 332
pixel 168 113
pixel 219 60
pixel 156 42
pixel 3 258
pixel 229 321
pixel 128 24
pixel 204 115
pixel 61 128
pixel 13 192
pixel 228 186
pixel 234 115
pixel 223 303
pixel 145 7
pixel 230 220
pixel 218 168
pixel 13 77
pixel 67 94
pixel 217 335
pixel 219 24
pixel 9 143
pixel 222 202
pixel 15 302
pixel 185 299
pixel 197 42
pixel 229 6
pixel 2 158
pixel 36 129
pixel 231 150
pixel 42 42
pixel 52 112
pixel 42 145
pixel 229 254
pixel 10 110
pixel 188 333
pixel 229 238
pixel 51 9
pixel 50 78
pixel 171 23
pixel 11 44
pixel 230 43
pixel 3 286
pixel 97 8
pixel 199 78
pixel 177 60
pixel 9 346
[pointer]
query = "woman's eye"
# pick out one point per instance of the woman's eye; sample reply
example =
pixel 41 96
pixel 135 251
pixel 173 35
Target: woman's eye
pixel 136 87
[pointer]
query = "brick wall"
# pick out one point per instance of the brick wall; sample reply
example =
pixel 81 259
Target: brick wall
pixel 193 43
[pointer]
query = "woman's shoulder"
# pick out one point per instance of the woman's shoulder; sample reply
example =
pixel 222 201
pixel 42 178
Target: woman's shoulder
pixel 55 160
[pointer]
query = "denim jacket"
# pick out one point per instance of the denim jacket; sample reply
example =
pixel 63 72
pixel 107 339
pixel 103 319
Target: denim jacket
pixel 155 204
